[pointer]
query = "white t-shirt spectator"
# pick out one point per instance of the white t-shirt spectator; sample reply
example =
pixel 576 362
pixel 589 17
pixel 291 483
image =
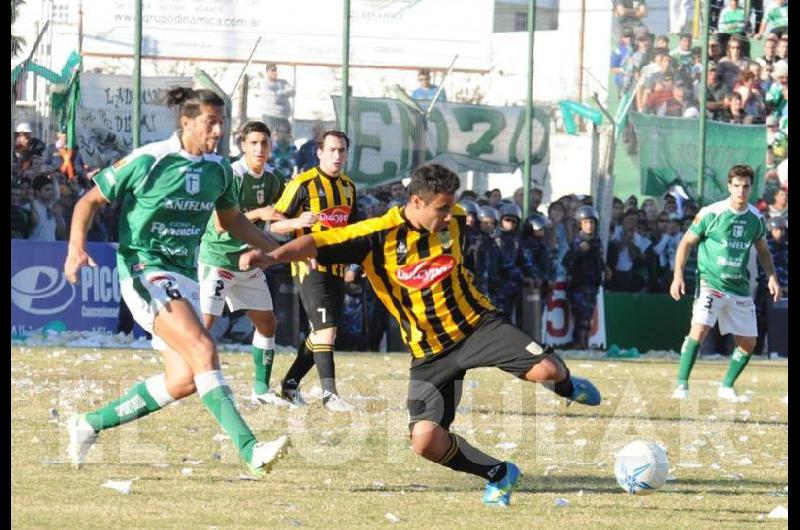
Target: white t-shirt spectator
pixel 45 229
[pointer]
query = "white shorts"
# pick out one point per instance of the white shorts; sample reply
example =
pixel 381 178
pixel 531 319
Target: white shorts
pixel 736 314
pixel 241 290
pixel 148 293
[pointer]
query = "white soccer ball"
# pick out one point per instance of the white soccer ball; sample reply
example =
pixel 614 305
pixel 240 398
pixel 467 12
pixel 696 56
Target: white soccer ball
pixel 641 467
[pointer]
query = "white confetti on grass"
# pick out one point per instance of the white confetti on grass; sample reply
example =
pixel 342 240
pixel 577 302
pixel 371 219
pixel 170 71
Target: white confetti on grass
pixel 561 503
pixel 779 513
pixel 122 486
pixel 392 517
pixel 506 445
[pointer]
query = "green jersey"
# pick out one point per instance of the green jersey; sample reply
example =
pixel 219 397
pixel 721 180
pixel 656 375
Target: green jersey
pixel 254 191
pixel 776 17
pixel 726 237
pixel 731 20
pixel 167 198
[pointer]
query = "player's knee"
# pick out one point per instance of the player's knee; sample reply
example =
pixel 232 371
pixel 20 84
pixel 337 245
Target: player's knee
pixel 180 385
pixel 266 324
pixel 203 353
pixel 747 344
pixel 426 440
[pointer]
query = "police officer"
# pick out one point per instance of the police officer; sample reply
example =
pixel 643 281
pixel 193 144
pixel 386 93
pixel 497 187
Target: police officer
pixel 536 254
pixel 778 243
pixel 585 266
pixel 508 241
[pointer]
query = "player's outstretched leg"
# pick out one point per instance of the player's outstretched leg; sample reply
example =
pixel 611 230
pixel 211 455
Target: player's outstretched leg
pixel 554 374
pixel 142 399
pixel 435 443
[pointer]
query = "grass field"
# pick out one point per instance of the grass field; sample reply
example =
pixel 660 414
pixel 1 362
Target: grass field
pixel 729 462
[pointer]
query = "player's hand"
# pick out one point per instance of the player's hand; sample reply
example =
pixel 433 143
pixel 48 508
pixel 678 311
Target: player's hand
pixel 312 264
pixel 677 288
pixel 774 288
pixel 254 258
pixel 306 220
pixel 349 276
pixel 77 257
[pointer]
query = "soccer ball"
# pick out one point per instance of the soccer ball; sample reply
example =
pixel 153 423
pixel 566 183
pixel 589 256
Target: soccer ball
pixel 641 467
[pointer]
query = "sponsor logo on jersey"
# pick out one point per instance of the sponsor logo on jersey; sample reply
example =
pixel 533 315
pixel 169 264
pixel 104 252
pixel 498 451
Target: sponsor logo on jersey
pixel 426 272
pixel 260 196
pixel 188 205
pixel 192 182
pixel 721 260
pixel 348 194
pixel 41 290
pixel 164 230
pixel 738 230
pixel 225 275
pixel 736 245
pixel 401 251
pixel 334 217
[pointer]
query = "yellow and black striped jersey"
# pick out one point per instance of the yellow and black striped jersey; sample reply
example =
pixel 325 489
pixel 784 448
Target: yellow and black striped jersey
pixel 333 199
pixel 418 275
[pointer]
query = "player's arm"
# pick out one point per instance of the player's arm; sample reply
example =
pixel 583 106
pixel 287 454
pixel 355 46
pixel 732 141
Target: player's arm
pixel 259 214
pixel 678 286
pixel 281 225
pixel 765 259
pixel 82 217
pixel 288 214
pixel 234 221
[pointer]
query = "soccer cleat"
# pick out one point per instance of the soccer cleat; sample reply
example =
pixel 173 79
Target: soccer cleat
pixel 82 437
pixel 499 493
pixel 729 394
pixel 584 392
pixel 265 454
pixel 334 403
pixel 294 397
pixel 680 392
pixel 269 398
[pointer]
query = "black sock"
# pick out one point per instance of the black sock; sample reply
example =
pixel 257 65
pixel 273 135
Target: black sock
pixel 565 388
pixel 300 367
pixel 463 457
pixel 323 358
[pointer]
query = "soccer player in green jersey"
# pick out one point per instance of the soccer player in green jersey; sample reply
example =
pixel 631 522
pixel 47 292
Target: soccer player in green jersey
pixel 725 232
pixel 256 188
pixel 169 190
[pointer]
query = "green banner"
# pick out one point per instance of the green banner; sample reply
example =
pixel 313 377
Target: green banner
pixel 66 72
pixel 668 154
pixel 390 137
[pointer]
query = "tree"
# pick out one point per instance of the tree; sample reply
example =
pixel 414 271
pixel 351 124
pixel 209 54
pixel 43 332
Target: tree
pixel 17 42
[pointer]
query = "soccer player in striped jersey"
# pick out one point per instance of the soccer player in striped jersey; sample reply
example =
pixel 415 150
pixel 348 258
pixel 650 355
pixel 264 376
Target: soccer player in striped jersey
pixel 724 232
pixel 256 188
pixel 413 257
pixel 169 190
pixel 328 193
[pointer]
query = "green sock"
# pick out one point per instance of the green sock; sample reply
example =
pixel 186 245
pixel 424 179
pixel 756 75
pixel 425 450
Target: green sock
pixel 689 352
pixel 218 399
pixel 142 399
pixel 263 351
pixel 739 359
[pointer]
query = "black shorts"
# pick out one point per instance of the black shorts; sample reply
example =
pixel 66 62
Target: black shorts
pixel 322 294
pixel 436 383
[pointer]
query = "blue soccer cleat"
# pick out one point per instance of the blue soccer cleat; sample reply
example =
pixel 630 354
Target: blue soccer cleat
pixel 584 392
pixel 499 493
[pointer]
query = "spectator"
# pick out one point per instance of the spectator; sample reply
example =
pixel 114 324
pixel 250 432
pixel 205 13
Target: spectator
pixel 398 191
pixel 770 51
pixel 50 224
pixel 67 161
pixel 283 152
pixel 617 213
pixel 637 60
pixel 682 56
pixel 619 55
pixel 277 106
pixel 783 48
pixel 777 97
pixel 679 103
pixel 735 113
pixel 777 143
pixel 306 156
pixel 714 49
pixel 697 63
pixel 775 20
pixel 669 236
pixel 26 146
pixel 732 20
pixel 468 194
pixel 780 204
pixel 662 43
pixel 494 197
pixel 629 14
pixel 23 218
pixel 752 99
pixel 426 91
pixel 778 244
pixel 657 79
pixel 717 96
pixel 733 64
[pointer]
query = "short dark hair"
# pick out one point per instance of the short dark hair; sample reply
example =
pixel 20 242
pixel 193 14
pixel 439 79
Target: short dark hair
pixel 189 101
pixel 741 171
pixel 632 211
pixel 254 126
pixel 40 181
pixel 431 179
pixel 337 134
